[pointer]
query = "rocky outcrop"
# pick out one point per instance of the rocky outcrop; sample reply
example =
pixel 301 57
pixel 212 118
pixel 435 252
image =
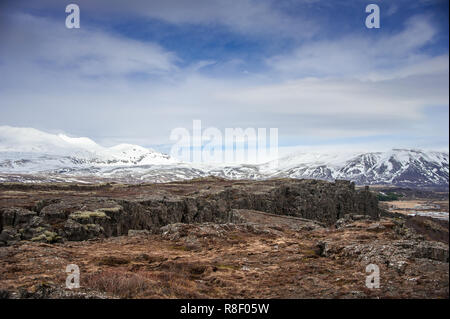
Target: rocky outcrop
pixel 313 199
pixel 81 218
pixel 398 253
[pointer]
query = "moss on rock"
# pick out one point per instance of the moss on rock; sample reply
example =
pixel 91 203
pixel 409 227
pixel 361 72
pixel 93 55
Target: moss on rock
pixel 47 236
pixel 88 214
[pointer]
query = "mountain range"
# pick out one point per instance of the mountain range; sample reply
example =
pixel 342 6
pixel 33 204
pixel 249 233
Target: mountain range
pixel 30 155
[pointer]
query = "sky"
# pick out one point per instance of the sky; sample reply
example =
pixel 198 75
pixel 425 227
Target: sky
pixel 136 70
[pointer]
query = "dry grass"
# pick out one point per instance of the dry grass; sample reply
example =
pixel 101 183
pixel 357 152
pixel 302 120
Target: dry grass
pixel 123 285
pixel 170 280
pixel 112 261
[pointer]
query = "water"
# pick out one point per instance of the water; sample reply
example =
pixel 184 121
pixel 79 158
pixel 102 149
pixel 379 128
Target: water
pixel 437 215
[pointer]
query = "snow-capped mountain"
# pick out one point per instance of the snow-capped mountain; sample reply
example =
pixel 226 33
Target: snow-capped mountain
pixel 400 167
pixel 34 156
pixel 27 150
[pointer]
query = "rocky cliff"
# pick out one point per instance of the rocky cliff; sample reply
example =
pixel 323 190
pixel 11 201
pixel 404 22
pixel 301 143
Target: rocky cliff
pixel 53 213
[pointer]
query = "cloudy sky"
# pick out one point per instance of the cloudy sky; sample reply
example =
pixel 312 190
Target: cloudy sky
pixel 135 70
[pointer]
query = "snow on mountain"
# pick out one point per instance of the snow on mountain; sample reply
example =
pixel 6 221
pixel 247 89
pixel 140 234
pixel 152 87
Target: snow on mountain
pixel 398 166
pixel 49 157
pixel 29 140
pixel 27 150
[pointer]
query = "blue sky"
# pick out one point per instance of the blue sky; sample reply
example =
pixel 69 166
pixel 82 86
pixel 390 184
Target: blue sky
pixel 135 70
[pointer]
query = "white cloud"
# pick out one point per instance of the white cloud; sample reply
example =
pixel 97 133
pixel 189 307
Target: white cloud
pixel 42 43
pixel 358 56
pixel 76 80
pixel 243 16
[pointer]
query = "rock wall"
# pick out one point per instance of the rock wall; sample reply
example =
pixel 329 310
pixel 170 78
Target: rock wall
pixel 85 218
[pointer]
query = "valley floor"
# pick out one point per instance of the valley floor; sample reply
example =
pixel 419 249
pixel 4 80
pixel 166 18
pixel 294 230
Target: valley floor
pixel 267 256
pixel 255 254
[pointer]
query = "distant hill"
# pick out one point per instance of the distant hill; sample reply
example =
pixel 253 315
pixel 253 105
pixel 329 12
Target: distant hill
pixel 28 154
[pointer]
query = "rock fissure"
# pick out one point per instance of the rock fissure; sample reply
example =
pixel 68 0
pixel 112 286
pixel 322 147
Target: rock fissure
pixel 84 218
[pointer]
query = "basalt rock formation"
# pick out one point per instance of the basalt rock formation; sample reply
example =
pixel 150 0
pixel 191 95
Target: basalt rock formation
pixel 54 213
